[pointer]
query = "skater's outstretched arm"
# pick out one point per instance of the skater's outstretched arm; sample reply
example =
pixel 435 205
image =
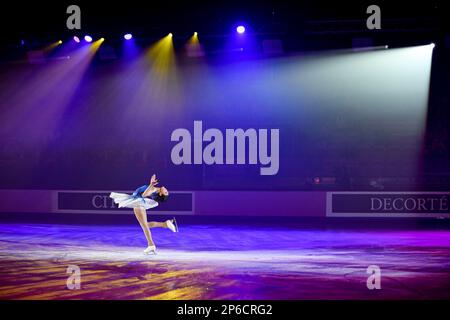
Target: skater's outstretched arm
pixel 151 187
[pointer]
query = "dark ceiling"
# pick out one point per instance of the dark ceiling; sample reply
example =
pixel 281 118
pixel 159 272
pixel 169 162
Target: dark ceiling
pixel 313 23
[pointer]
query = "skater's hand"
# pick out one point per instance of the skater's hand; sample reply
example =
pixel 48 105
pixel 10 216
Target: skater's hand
pixel 153 180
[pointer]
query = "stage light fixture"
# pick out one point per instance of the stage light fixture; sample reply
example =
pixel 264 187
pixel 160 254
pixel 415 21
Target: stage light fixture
pixel 128 36
pixel 88 38
pixel 240 29
pixel 76 39
pixel 432 45
pixel 60 42
pixel 170 35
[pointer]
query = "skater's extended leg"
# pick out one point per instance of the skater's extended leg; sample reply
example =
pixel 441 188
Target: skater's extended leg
pixel 154 224
pixel 169 224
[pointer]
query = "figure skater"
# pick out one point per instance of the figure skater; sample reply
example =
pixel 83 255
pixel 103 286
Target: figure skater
pixel 146 197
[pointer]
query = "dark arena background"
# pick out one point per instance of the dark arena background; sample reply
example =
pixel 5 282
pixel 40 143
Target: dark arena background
pixel 305 147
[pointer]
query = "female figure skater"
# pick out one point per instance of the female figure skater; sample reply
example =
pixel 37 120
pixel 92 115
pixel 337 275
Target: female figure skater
pixel 146 197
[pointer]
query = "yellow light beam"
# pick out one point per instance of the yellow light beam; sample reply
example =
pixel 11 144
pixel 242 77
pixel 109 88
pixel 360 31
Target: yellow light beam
pixel 51 46
pixel 193 47
pixel 159 84
pixel 95 45
pixel 162 57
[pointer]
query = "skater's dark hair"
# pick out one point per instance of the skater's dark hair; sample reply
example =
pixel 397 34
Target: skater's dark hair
pixel 159 198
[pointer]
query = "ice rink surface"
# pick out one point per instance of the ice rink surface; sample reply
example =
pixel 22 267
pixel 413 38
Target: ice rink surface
pixel 221 262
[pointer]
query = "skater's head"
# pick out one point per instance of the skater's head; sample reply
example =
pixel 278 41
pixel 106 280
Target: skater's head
pixel 163 191
pixel 160 195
